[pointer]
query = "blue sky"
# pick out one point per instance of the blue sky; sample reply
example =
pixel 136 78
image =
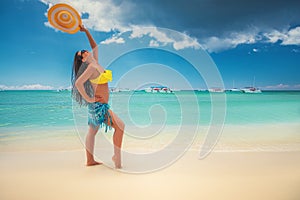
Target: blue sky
pixel 245 39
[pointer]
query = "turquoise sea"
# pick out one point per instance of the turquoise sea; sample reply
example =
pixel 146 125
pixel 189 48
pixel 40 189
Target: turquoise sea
pixel 50 109
pixel 29 115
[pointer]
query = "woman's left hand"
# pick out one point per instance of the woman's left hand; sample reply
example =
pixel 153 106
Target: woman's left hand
pixel 82 28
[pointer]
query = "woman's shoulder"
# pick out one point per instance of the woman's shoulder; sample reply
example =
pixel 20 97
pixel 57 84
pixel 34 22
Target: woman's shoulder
pixel 96 66
pixel 92 66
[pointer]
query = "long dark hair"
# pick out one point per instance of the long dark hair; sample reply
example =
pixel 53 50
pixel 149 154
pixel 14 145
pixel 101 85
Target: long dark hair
pixel 78 68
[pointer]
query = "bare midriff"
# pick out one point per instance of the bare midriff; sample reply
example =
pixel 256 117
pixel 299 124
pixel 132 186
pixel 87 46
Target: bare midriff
pixel 101 92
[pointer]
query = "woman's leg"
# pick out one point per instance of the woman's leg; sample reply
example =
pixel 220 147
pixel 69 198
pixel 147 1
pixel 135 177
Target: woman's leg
pixel 89 146
pixel 119 126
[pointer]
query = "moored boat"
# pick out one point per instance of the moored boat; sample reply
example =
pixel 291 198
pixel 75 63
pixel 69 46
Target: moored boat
pixel 158 89
pixel 216 90
pixel 251 90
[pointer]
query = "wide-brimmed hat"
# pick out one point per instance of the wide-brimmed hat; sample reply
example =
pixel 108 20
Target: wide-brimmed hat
pixel 64 17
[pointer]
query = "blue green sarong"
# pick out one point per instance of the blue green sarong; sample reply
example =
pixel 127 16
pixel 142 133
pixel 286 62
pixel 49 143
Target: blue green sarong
pixel 98 115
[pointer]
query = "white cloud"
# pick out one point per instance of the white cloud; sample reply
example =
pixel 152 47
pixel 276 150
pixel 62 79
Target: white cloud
pixel 215 44
pixel 103 15
pixel 107 16
pixel 292 37
pixel 27 87
pixel 114 39
pixel 297 87
pixel 232 40
pixel 154 43
pixel 279 86
pixel 274 36
pixel 282 86
pixel 186 42
pixel 161 37
pixel 138 32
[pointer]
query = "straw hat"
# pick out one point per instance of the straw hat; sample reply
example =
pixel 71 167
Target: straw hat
pixel 64 18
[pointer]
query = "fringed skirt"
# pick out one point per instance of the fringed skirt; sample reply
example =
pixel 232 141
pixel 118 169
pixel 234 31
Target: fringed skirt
pixel 98 115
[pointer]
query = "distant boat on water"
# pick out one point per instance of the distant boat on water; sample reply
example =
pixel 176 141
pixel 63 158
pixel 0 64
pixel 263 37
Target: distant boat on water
pixel 120 90
pixel 62 90
pixel 114 90
pixel 251 90
pixel 234 89
pixel 216 90
pixel 158 89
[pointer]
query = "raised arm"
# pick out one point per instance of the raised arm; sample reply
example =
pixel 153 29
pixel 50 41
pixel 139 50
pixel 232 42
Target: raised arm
pixel 93 44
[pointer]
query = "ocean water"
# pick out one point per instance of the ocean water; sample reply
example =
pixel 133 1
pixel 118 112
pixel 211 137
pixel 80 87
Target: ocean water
pixel 52 109
pixel 30 117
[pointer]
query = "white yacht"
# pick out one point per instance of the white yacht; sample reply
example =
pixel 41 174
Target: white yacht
pixel 251 90
pixel 158 89
pixel 234 90
pixel 215 90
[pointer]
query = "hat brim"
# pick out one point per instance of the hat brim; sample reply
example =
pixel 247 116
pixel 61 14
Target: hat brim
pixel 65 18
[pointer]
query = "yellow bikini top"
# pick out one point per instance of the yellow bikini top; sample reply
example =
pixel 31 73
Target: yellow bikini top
pixel 103 77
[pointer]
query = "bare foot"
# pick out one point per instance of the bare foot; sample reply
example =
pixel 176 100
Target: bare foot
pixel 92 163
pixel 117 162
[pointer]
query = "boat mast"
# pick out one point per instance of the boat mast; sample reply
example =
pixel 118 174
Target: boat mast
pixel 253 85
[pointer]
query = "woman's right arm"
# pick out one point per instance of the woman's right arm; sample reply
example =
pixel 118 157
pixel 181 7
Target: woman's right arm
pixel 91 41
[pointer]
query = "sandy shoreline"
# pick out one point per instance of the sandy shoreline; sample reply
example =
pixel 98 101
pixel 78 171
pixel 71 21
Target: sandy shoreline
pixel 234 138
pixel 63 175
pixel 249 162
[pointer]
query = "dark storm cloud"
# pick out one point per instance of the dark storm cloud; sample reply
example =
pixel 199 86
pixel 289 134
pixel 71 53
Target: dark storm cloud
pixel 204 18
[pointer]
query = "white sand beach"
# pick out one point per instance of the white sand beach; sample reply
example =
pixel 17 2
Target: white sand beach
pixel 61 174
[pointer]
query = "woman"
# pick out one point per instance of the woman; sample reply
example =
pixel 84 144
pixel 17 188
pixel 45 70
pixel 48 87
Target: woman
pixel 90 87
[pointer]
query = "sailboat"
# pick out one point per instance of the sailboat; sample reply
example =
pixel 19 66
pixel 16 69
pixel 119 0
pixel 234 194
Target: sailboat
pixel 234 89
pixel 252 89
